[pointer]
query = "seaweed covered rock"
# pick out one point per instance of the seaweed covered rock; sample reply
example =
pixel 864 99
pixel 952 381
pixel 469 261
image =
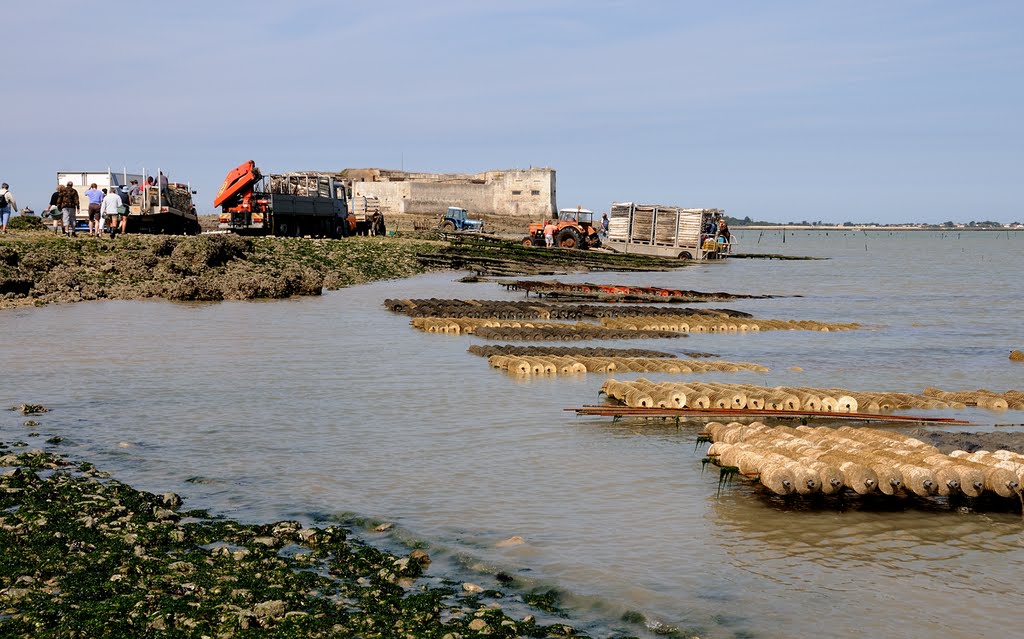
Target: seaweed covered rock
pixel 25 223
pixel 9 256
pixel 246 282
pixel 195 289
pixel 82 555
pixel 194 255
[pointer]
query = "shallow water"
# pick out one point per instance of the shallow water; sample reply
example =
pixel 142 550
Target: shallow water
pixel 334 407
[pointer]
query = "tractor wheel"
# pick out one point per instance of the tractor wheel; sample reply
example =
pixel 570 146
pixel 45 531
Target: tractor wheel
pixel 568 238
pixel 448 227
pixel 527 241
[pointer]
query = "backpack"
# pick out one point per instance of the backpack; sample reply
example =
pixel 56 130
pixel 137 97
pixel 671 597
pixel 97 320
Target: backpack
pixel 3 200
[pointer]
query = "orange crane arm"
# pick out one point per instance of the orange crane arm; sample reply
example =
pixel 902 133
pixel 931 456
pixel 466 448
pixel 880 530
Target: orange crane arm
pixel 243 177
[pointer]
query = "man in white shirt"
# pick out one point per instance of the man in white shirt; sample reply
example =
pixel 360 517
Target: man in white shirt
pixel 108 210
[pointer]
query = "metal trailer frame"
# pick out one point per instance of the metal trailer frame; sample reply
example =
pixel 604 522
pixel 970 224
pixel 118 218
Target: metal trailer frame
pixel 301 204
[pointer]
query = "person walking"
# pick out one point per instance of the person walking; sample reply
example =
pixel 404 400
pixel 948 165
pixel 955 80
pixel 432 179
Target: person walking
pixel 604 226
pixel 69 208
pixel 126 203
pixel 95 200
pixel 53 211
pixel 7 205
pixel 108 210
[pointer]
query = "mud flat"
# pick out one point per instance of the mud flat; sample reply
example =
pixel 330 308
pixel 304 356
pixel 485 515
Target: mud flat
pixel 82 555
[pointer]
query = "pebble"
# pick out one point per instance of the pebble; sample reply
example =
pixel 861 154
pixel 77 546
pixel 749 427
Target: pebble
pixel 420 557
pixel 514 540
pixel 473 588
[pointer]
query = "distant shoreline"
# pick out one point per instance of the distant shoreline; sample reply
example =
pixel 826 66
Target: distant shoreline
pixel 864 227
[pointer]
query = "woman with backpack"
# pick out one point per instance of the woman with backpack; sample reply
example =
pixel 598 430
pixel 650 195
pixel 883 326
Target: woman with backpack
pixel 7 205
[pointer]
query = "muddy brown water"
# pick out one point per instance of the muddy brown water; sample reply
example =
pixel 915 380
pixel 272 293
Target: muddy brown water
pixel 333 408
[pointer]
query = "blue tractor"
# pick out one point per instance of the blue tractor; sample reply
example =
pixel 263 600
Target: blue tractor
pixel 455 220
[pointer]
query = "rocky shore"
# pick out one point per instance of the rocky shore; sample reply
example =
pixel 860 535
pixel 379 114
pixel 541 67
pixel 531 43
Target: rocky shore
pixel 39 268
pixel 83 555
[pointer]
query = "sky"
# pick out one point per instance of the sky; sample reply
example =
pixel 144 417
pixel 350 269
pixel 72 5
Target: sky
pixel 871 111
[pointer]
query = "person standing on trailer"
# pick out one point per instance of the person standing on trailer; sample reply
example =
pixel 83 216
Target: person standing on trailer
pixel 95 200
pixel 164 190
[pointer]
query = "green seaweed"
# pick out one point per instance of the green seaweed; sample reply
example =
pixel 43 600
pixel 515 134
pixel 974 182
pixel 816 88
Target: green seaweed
pixel 81 557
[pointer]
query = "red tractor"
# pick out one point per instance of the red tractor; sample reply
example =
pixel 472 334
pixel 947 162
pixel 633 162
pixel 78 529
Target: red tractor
pixel 574 229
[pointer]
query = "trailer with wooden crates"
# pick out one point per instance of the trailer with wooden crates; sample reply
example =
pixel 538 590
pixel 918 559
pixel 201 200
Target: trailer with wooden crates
pixel 367 213
pixel 665 231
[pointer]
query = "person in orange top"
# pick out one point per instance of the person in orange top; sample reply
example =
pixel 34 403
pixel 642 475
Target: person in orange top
pixel 549 233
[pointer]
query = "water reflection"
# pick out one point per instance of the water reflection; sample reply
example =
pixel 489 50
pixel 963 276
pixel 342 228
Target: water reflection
pixel 335 406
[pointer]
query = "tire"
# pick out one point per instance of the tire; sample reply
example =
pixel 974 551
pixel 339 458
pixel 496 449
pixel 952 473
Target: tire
pixel 296 231
pixel 281 229
pixel 595 241
pixel 568 238
pixel 527 242
pixel 685 255
pixel 448 227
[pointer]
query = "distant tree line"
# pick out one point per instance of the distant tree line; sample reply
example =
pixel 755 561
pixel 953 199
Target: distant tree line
pixel 747 221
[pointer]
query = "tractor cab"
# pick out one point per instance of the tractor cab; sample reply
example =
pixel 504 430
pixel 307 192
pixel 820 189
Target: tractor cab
pixel 583 217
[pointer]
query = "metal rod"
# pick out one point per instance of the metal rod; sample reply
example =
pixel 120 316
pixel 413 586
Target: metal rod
pixel 627 411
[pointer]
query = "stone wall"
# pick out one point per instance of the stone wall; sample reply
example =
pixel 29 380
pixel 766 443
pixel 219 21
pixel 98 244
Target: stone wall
pixel 519 193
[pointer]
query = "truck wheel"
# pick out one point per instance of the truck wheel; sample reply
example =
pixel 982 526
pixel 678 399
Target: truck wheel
pixel 297 232
pixel 281 229
pixel 568 238
pixel 685 255
pixel 448 227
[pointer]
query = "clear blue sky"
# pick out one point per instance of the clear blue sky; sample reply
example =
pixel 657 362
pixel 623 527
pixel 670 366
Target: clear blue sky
pixel 861 111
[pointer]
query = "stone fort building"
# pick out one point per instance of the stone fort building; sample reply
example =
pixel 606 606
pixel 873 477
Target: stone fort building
pixel 522 193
